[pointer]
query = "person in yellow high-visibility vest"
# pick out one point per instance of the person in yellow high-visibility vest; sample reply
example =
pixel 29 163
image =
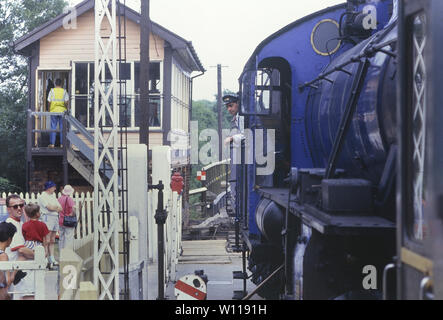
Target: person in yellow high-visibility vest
pixel 59 100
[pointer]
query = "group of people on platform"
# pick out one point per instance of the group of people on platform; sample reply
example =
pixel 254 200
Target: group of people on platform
pixel 21 233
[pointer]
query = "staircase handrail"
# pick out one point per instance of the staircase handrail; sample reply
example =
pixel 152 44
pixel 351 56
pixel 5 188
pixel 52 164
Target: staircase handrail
pixel 80 127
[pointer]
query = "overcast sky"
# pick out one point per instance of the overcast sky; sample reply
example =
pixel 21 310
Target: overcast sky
pixel 226 32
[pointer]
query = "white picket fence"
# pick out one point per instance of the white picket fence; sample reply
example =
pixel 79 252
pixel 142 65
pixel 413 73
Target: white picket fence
pixel 84 231
pixel 84 207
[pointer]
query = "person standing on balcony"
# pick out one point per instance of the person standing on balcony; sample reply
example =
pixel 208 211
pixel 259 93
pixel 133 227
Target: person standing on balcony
pixel 50 209
pixel 59 101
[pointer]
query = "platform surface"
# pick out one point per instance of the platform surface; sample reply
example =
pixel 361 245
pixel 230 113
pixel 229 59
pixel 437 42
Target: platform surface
pixel 217 263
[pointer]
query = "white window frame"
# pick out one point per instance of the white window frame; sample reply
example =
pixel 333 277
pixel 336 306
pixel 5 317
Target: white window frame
pixel 130 93
pixel 180 97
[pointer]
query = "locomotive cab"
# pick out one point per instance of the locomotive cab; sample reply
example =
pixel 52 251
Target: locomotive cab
pixel 266 105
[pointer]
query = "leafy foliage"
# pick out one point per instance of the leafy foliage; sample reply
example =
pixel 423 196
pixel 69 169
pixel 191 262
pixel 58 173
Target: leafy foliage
pixel 13 136
pixel 17 17
pixel 6 186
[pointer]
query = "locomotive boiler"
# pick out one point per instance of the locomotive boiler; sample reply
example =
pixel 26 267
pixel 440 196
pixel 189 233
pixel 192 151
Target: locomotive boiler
pixel 324 219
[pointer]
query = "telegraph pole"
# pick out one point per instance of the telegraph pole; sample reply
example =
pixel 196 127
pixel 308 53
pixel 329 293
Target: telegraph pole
pixel 219 108
pixel 145 26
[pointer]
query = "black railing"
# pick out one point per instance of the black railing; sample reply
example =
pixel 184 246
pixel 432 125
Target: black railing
pixel 76 141
pixel 216 183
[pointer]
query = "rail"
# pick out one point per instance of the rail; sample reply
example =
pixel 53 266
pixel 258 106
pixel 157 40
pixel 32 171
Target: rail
pixel 215 186
pixel 39 125
pixel 216 176
pixel 76 144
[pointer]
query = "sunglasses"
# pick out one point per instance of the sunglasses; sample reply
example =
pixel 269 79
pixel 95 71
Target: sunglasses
pixel 21 205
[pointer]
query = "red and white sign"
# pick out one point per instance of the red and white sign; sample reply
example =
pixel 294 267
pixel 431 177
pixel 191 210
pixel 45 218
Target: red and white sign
pixel 190 287
pixel 201 175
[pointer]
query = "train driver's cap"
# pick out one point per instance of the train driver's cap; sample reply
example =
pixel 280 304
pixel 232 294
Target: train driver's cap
pixel 229 98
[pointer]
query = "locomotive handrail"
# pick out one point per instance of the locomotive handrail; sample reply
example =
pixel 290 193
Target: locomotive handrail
pixel 425 284
pixel 368 52
pixel 385 279
pixel 357 87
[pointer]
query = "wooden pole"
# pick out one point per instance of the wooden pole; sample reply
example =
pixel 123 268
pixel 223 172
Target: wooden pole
pixel 219 109
pixel 145 26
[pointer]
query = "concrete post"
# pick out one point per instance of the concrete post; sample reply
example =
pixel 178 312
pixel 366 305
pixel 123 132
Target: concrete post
pixel 70 270
pixel 138 203
pixel 39 258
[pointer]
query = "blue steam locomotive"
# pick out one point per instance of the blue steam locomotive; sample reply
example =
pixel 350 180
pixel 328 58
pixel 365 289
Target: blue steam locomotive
pixel 326 217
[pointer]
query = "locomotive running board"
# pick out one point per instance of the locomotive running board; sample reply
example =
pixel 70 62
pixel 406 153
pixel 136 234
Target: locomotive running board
pixel 327 223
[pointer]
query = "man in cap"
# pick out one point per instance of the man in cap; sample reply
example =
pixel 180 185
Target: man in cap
pixel 234 140
pixel 237 121
pixel 50 208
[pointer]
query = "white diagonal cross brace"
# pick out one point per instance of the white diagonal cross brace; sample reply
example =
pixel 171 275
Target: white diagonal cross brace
pixel 106 191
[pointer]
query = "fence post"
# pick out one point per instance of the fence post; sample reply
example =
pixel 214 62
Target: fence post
pixel 39 258
pixel 138 207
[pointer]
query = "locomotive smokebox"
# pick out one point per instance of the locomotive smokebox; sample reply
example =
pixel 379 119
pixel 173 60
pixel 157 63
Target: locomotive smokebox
pixel 270 220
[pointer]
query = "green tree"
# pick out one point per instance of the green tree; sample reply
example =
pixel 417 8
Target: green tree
pixel 13 136
pixel 6 186
pixel 17 17
pixel 203 112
